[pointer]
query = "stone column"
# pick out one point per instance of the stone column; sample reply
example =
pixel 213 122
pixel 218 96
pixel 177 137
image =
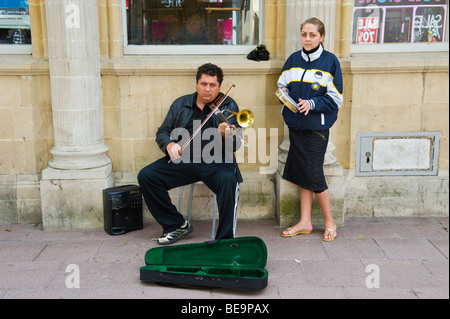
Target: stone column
pixel 72 184
pixel 288 208
pixel 297 11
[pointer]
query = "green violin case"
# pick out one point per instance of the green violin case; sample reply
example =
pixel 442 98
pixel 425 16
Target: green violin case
pixel 236 263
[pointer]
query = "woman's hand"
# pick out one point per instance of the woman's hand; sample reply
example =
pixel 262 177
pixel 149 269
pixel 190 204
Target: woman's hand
pixel 303 106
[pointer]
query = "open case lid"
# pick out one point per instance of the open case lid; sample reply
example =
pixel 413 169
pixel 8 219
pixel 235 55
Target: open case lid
pixel 236 252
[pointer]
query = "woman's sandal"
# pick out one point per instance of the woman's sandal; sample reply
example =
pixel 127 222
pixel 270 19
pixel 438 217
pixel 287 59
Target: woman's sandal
pixel 330 232
pixel 295 233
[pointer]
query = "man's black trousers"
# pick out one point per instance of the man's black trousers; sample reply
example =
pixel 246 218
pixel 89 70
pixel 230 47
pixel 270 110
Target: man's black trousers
pixel 159 177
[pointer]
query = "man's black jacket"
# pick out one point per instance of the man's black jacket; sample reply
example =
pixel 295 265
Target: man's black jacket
pixel 181 112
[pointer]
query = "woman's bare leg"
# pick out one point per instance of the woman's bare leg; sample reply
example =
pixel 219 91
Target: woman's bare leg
pixel 323 199
pixel 305 223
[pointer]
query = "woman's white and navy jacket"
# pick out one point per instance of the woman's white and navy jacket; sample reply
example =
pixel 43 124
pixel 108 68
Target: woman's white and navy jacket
pixel 316 78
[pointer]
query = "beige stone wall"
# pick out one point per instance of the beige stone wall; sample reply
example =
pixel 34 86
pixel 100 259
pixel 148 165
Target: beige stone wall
pixel 387 93
pixel 26 136
pixel 138 91
pixel 137 94
pixel 402 92
pixel 136 102
pixel 383 93
pixel 26 130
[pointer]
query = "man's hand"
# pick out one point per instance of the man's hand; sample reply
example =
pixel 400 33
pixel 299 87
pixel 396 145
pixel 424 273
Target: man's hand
pixel 226 129
pixel 174 151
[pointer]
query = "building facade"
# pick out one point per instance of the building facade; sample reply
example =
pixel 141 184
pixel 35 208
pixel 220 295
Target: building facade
pixel 86 84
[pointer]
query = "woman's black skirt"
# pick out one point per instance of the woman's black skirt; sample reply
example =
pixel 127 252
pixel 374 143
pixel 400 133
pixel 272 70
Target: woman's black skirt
pixel 304 164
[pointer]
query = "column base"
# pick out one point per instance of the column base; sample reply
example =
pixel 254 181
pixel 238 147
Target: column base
pixel 73 199
pixel 83 158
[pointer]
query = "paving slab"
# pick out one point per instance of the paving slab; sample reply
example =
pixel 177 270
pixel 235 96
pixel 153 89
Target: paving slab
pixel 26 275
pixel 380 293
pixel 403 274
pixel 101 293
pixel 370 230
pixel 441 245
pixel 431 293
pixel 411 255
pixel 20 251
pixel 409 248
pixel 286 273
pixel 335 273
pixel 41 293
pixel 420 230
pixel 312 292
pixel 70 250
pixel 439 270
pixel 93 274
pixel 360 248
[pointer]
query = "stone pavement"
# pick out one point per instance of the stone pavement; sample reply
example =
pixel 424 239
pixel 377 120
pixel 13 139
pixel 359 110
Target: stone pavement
pixel 410 255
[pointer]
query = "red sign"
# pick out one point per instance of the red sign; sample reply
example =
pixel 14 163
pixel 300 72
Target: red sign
pixel 384 3
pixel 225 30
pixel 367 30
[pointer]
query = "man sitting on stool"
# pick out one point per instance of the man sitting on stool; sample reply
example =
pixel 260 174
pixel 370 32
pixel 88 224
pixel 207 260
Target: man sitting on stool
pixel 209 158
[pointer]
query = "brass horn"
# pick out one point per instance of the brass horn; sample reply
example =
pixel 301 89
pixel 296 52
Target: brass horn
pixel 244 118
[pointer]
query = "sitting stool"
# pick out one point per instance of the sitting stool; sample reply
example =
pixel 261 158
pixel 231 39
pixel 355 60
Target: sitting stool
pixel 190 206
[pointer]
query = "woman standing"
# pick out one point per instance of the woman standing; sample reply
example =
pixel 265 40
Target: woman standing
pixel 311 76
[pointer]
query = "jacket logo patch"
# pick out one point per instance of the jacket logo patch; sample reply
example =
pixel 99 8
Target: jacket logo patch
pixel 318 75
pixel 315 86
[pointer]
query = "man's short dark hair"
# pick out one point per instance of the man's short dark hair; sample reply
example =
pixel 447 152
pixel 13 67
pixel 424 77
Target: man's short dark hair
pixel 211 70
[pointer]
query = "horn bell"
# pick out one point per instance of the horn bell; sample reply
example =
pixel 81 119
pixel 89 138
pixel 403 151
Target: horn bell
pixel 245 118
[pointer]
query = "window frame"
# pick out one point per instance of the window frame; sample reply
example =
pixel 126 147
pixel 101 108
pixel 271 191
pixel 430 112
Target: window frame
pixel 17 49
pixel 398 47
pixel 148 49
pixel 13 49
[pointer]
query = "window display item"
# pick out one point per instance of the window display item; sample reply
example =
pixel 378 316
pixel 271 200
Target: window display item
pixel 260 53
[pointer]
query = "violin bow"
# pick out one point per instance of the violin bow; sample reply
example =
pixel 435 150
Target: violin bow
pixel 206 120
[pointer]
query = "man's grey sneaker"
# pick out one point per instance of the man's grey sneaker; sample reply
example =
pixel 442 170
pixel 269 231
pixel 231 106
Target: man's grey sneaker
pixel 173 236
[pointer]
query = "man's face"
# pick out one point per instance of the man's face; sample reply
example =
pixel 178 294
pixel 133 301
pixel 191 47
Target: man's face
pixel 208 88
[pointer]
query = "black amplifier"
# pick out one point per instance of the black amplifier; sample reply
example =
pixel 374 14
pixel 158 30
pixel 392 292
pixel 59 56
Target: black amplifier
pixel 122 209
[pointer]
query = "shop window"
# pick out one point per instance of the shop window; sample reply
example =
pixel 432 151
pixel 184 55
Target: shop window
pixel 391 22
pixel 192 26
pixel 15 35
